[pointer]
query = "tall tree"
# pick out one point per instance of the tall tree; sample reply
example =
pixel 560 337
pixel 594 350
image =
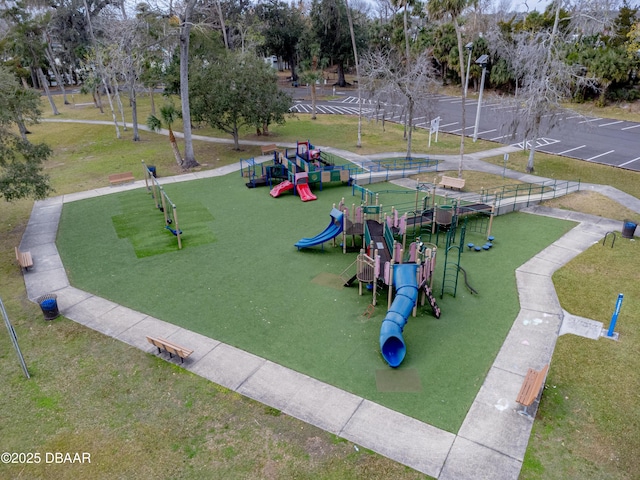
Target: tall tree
pixel 391 80
pixel 21 171
pixel 546 81
pixel 168 116
pixel 283 27
pixel 454 8
pixel 27 42
pixel 330 25
pixel 352 34
pixel 185 32
pixel 236 91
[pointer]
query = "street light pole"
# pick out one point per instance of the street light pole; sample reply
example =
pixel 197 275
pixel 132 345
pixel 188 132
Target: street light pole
pixel 469 47
pixel 482 61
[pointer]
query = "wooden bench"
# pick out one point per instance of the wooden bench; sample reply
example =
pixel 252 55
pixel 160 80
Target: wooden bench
pixel 169 347
pixel 452 182
pixel 24 259
pixel 266 149
pixel 117 178
pixel 531 387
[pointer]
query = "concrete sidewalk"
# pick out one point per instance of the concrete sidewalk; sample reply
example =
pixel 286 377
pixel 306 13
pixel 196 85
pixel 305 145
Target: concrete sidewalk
pixel 493 438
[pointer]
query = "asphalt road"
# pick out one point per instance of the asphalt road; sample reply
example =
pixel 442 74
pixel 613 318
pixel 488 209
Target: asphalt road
pixel 599 140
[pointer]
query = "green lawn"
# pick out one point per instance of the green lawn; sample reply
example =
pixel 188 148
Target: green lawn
pixel 141 416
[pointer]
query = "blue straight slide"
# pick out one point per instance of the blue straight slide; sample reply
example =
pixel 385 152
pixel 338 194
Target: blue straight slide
pixel 391 342
pixel 333 230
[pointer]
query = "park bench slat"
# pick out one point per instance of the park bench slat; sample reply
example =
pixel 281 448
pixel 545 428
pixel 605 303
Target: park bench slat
pixel 24 259
pixel 124 177
pixel 169 347
pixel 452 182
pixel 532 385
pixel 266 149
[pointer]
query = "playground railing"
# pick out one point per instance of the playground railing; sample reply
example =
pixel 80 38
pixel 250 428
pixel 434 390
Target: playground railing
pixel 512 197
pixel 507 198
pixel 328 158
pixel 386 169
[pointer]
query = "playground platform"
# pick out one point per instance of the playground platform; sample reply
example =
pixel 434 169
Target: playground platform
pixel 493 438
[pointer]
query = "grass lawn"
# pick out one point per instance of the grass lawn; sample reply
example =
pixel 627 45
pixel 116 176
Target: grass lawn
pixel 239 279
pixel 587 424
pixel 140 416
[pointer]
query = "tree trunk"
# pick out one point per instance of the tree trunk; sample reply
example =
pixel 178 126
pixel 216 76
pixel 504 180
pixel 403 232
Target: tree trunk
pixel 462 76
pixel 236 140
pixel 119 102
pixel 45 86
pixel 409 127
pixel 174 147
pixel 532 150
pixel 56 73
pixel 134 113
pixel 313 100
pixel 341 80
pixel 153 103
pixel 97 99
pixel 222 26
pixel 22 128
pixel 355 56
pixel 189 160
pixel 113 112
pixel 292 66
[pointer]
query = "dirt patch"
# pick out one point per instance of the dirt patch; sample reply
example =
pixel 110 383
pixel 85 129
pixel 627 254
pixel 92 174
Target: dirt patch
pixel 329 280
pixel 591 203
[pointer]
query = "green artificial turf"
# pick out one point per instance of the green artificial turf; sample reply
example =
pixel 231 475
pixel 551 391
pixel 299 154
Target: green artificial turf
pixel 143 229
pixel 239 279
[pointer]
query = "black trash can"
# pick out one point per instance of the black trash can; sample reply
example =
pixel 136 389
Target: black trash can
pixel 152 170
pixel 49 306
pixel 628 229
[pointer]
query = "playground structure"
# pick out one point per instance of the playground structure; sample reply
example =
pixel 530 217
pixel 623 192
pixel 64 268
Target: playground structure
pixel 385 260
pixel 334 229
pixel 161 200
pixel 295 171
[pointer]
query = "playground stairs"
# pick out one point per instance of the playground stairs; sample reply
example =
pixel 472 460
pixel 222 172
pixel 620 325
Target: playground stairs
pixel 349 274
pixel 432 300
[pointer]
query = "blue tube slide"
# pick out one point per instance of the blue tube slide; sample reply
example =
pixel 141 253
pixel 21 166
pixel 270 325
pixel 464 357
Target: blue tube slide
pixel 333 230
pixel 391 342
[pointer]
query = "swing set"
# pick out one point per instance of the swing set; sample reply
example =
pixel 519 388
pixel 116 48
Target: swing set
pixel 161 200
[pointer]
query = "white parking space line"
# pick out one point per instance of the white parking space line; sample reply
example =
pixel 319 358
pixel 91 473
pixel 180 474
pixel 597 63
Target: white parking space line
pixel 610 123
pixel 629 128
pixel 630 161
pixel 495 139
pixel 448 124
pixel 601 155
pixel 571 150
pixel 488 131
pixel 574 116
pixel 505 107
pixel 591 120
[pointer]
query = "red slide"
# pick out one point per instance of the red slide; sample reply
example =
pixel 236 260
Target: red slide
pixel 280 188
pixel 305 192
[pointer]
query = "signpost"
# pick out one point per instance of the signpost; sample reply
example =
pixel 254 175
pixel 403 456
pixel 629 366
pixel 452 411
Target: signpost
pixel 614 317
pixel 435 126
pixel 14 340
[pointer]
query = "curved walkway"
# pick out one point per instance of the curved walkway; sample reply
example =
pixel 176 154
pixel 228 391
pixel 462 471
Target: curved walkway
pixel 492 440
